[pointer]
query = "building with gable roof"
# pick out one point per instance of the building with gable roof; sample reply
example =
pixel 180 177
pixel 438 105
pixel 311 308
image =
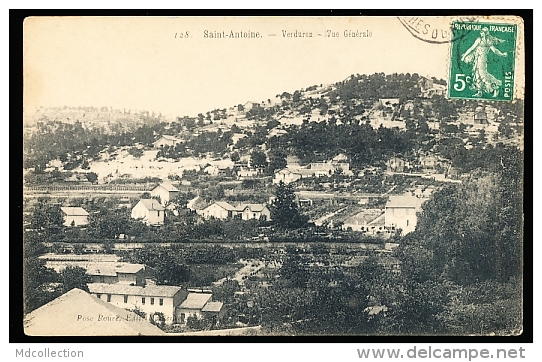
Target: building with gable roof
pixel 396 164
pixel 253 211
pixel 149 299
pixel 74 216
pixel 223 210
pixel 150 211
pixel 219 210
pixel 192 306
pixel 401 212
pixel 77 313
pixel 166 191
pixel 166 140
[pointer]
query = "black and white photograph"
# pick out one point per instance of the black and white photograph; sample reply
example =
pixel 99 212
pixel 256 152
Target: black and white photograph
pixel 273 176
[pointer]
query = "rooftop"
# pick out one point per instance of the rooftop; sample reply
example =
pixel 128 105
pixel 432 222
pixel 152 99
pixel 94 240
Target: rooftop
pixel 212 307
pixel 404 201
pixel 74 211
pixel 151 204
pixel 168 137
pixel 225 205
pixel 168 186
pixel 251 207
pixel 104 268
pixel 76 314
pixel 196 300
pixel 167 291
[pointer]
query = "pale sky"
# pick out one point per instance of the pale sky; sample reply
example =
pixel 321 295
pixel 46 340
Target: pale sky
pixel 138 64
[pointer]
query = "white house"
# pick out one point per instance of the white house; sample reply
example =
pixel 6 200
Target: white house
pixel 285 175
pixel 250 105
pixel 401 212
pixel 74 216
pixel 254 211
pixel 123 273
pixel 166 140
pixel 341 157
pixel 149 299
pixel 396 164
pixel 218 210
pixel 247 172
pixel 166 191
pixel 223 210
pixel 149 211
pixel 192 306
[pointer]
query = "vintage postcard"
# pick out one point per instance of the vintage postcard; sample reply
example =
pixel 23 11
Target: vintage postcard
pixel 261 176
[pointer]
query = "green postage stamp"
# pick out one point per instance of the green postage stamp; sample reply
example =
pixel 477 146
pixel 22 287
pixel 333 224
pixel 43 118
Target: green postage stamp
pixel 482 61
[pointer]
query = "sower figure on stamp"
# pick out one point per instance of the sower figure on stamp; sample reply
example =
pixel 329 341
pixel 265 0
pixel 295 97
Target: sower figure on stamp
pixel 482 80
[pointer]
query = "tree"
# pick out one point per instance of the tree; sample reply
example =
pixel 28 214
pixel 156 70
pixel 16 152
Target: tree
pixel 470 232
pixel 169 269
pixel 277 160
pixel 258 159
pixel 74 277
pixel 38 287
pixel 284 211
pixel 109 224
pixel 92 177
pixel 235 156
pixel 47 216
pixel 294 269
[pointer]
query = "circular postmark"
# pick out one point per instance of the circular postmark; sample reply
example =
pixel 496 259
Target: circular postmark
pixel 435 30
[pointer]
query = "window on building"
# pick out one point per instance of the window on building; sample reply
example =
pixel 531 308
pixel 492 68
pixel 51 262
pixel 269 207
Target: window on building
pixel 125 299
pixel 109 297
pixel 152 301
pixel 142 300
pixel 182 317
pixel 158 213
pixel 161 301
pixel 407 223
pixel 99 296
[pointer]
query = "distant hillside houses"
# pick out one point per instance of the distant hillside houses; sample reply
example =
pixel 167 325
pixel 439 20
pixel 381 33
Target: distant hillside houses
pixel 223 210
pixel 388 102
pixel 166 140
pixel 246 172
pixel 396 164
pixel 294 171
pixel 429 88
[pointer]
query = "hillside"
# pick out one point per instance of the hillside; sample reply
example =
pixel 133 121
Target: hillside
pixel 367 117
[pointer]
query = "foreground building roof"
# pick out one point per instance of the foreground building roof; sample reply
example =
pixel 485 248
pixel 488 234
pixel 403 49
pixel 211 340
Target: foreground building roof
pixel 78 313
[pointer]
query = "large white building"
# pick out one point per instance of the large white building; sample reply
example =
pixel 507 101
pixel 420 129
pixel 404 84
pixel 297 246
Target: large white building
pixel 149 299
pixel 401 212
